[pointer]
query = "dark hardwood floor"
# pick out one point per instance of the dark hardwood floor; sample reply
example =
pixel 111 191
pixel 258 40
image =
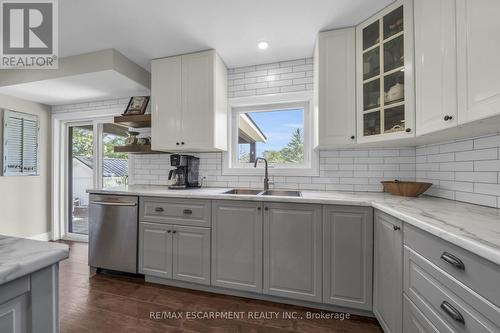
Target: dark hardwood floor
pixel 105 303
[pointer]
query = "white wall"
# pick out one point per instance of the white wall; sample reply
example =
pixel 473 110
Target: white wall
pixel 25 200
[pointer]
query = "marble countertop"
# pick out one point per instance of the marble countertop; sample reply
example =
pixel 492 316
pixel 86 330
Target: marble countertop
pixel 472 227
pixel 20 256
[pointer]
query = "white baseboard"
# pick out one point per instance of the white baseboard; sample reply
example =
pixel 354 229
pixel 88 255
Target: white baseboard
pixel 46 236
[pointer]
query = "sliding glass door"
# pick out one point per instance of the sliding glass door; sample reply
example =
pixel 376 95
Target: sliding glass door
pixel 92 163
pixel 80 175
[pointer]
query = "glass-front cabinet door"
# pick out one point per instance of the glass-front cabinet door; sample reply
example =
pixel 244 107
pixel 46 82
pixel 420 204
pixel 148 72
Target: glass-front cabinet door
pixel 384 75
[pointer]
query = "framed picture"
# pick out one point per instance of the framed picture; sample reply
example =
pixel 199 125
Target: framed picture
pixel 136 105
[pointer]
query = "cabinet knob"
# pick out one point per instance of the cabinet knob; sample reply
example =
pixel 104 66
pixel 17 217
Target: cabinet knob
pixel 266 208
pixel 352 137
pixel 182 143
pixel 158 209
pixel 187 211
pixel 446 118
pixel 408 130
pixel 258 208
pixel 174 231
pixel 177 143
pixel 169 231
pixel 396 228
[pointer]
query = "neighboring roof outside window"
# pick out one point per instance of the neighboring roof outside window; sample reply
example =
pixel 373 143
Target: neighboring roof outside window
pixel 112 167
pixel 249 131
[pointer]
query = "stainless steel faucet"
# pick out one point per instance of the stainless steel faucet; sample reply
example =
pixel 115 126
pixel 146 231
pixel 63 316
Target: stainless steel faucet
pixel 266 174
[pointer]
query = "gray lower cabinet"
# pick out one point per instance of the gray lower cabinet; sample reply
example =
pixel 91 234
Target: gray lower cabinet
pixel 155 249
pixel 174 252
pixel 292 251
pixel 191 254
pixel 348 256
pixel 31 303
pixel 237 245
pixel 388 272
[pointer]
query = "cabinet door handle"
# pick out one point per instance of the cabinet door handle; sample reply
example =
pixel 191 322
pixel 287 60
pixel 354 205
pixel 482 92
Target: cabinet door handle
pixel 169 231
pixel 187 211
pixel 408 130
pixel 266 208
pixel 446 118
pixel 396 228
pixel 174 231
pixel 158 209
pixel 452 312
pixel 453 260
pixel 258 208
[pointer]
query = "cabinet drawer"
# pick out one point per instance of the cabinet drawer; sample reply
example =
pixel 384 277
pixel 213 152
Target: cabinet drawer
pixel 480 275
pixel 175 211
pixel 414 321
pixel 444 300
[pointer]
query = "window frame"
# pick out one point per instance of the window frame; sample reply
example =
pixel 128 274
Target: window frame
pixel 24 116
pixel 285 101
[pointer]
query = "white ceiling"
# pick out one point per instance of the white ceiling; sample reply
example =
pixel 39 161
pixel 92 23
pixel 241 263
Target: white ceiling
pixel 78 88
pixel 146 29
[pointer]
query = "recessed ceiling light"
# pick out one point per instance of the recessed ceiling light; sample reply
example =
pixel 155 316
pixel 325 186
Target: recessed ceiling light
pixel 263 45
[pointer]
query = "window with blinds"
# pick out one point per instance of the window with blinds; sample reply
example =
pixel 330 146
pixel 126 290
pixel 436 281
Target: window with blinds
pixel 20 148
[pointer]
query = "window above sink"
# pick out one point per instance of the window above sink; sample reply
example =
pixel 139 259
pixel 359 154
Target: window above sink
pixel 276 127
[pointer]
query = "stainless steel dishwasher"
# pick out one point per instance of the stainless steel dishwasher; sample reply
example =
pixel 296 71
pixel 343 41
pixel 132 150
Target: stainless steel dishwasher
pixel 113 224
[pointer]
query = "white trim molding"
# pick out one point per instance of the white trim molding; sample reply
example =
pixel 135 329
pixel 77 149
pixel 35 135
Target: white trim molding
pixel 46 236
pixel 311 167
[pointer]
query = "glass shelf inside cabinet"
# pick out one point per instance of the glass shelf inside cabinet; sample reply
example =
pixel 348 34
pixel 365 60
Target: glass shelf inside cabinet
pixel 394 53
pixel 394 88
pixel 371 35
pixel 393 22
pixel 371 94
pixel 371 123
pixel 394 119
pixel 371 63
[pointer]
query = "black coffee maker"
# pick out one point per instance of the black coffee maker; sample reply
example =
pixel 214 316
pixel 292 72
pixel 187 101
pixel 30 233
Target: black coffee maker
pixel 185 173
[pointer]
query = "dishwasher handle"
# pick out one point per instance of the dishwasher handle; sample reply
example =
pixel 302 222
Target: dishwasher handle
pixel 109 203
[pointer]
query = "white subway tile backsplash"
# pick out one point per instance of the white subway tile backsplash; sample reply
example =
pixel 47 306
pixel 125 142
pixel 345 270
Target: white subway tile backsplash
pixel 456 146
pixel 473 174
pixel 493 189
pixel 492 141
pixel 477 177
pixel 476 155
pixel 492 165
pixel 478 199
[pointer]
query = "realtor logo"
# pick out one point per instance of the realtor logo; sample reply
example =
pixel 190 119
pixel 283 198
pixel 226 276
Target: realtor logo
pixel 28 34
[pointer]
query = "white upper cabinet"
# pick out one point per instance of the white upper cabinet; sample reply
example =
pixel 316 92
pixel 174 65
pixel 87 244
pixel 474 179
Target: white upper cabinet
pixel 478 44
pixel 335 87
pixel 435 65
pixel 384 75
pixel 189 103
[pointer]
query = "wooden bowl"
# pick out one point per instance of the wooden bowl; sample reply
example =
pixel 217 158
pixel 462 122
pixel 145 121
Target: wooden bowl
pixel 407 189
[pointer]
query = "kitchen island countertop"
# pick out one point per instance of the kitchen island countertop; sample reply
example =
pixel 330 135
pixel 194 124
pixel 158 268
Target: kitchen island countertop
pixel 20 256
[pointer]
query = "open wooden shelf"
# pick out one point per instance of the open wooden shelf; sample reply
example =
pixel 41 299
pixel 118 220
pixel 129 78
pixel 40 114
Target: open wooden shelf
pixel 136 149
pixel 135 121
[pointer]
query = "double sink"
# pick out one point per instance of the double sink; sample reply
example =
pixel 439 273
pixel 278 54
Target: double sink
pixel 277 193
